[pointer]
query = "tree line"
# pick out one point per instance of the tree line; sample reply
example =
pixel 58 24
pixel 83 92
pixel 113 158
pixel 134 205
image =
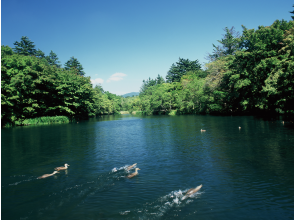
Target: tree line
pixel 34 85
pixel 252 72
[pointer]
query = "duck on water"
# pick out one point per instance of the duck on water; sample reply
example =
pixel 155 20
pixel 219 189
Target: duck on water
pixel 132 166
pixel 191 191
pixel 62 168
pixel 47 175
pixel 133 174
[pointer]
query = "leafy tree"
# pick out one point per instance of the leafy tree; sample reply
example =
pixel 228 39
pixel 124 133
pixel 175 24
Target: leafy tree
pixel 39 53
pixel 29 89
pixel 99 88
pixel 151 82
pixel 279 83
pixel 230 43
pixel 74 64
pixel 52 59
pixel 254 71
pixel 6 50
pixel 181 67
pixel 25 47
pixel 217 52
pixel 159 80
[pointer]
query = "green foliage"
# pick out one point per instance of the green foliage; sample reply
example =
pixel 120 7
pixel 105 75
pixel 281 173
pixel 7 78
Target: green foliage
pixel 6 50
pixel 99 89
pixel 253 73
pixel 34 89
pixel 74 65
pixel 230 43
pixel 25 47
pixel 31 89
pixel 149 83
pixel 40 54
pixel 52 59
pixel 263 71
pixel 181 67
pixel 44 120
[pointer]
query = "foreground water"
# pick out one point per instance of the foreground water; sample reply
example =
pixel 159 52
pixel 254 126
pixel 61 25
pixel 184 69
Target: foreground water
pixel 246 173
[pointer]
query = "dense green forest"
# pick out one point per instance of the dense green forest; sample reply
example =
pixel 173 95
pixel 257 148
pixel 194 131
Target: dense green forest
pixel 34 85
pixel 250 73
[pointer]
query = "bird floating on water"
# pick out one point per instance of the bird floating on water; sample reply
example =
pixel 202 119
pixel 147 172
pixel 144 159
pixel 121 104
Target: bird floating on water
pixel 134 174
pixel 191 191
pixel 62 168
pixel 239 127
pixel 47 175
pixel 132 166
pixel 202 130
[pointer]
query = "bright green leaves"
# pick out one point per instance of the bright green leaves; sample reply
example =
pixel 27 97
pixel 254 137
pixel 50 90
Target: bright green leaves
pixel 253 72
pixel 29 88
pixel 259 72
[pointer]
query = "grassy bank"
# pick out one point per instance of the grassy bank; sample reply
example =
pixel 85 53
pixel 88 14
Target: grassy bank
pixel 40 121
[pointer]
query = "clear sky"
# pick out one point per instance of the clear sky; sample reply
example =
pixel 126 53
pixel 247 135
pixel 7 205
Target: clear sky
pixel 122 42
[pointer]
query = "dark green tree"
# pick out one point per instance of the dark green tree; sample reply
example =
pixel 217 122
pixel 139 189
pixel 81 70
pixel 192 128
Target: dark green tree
pixel 25 47
pixel 181 67
pixel 292 12
pixel 230 43
pixel 73 63
pixel 53 59
pixel 39 53
pixel 262 74
pixel 6 50
pixel 159 80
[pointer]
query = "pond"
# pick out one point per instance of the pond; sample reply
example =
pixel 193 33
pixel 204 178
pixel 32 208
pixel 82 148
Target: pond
pixel 246 172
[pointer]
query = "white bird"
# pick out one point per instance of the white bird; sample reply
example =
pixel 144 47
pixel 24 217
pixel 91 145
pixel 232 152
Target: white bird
pixel 239 127
pixel 47 175
pixel 134 174
pixel 202 130
pixel 191 191
pixel 62 168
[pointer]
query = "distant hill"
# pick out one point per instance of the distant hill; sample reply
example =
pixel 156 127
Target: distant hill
pixel 130 94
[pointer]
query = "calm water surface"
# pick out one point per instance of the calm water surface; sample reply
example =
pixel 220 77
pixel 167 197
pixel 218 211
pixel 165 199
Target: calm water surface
pixel 246 173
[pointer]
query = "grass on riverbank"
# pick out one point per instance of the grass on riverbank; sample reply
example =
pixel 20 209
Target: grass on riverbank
pixel 40 121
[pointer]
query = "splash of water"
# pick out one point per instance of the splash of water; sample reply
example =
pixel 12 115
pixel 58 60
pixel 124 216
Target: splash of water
pixel 162 205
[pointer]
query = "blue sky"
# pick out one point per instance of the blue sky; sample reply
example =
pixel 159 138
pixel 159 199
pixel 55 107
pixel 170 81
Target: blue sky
pixel 122 42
